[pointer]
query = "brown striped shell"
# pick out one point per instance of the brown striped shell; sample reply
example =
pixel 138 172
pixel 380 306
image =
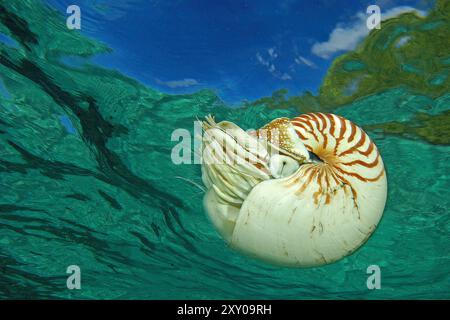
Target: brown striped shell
pixel 346 150
pixel 322 212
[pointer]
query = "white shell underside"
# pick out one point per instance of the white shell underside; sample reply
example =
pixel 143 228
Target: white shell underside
pixel 305 234
pixel 323 212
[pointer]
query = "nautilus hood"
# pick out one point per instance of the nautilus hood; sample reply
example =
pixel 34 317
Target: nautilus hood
pixel 297 192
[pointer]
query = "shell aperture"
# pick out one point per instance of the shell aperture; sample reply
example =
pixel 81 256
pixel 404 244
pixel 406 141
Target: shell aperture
pixel 270 198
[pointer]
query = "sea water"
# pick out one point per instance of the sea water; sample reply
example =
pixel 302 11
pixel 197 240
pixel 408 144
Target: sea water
pixel 86 179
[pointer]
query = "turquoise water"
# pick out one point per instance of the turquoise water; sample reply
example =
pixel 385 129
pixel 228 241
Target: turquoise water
pixel 87 179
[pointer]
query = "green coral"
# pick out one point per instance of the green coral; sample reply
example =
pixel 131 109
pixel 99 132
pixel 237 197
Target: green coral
pixel 433 128
pixel 408 51
pixel 388 65
pixel 383 62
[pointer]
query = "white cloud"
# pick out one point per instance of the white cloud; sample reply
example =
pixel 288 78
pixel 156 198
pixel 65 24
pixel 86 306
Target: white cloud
pixel 261 60
pixel 303 60
pixel 272 53
pixel 285 76
pixel 184 83
pixel 270 65
pixel 345 38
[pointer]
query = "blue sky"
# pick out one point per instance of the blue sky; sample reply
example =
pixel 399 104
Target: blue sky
pixel 241 49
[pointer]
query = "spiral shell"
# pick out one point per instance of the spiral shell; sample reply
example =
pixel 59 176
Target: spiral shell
pixel 326 209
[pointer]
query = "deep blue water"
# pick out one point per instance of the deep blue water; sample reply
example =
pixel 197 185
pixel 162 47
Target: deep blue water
pixel 228 46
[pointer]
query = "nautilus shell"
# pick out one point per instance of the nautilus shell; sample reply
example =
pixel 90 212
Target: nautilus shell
pixel 297 192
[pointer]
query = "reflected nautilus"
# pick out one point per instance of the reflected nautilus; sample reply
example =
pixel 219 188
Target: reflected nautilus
pixel 298 192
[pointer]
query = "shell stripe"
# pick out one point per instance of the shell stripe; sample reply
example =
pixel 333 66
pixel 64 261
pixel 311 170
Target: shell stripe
pixel 342 146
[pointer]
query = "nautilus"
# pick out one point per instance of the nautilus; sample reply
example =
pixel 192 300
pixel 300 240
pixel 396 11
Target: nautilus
pixel 297 192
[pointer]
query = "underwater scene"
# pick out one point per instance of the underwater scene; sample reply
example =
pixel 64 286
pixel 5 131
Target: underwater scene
pixel 93 108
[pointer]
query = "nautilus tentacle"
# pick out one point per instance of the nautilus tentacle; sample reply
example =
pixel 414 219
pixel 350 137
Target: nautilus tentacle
pixel 306 213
